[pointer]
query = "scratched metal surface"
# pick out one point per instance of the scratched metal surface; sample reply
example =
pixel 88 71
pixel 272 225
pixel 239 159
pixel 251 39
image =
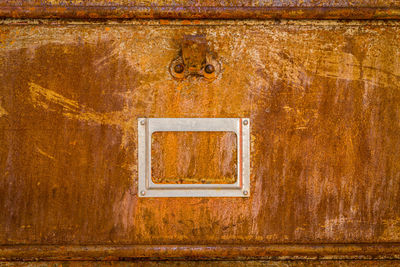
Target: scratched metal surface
pixel 202 263
pixel 195 9
pixel 256 3
pixel 323 98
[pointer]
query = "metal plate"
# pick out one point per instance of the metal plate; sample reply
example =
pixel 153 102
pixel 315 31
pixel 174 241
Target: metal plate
pixel 148 126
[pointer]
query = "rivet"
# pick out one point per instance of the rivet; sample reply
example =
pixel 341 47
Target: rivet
pixel 245 192
pixel 209 69
pixel 142 193
pixel 179 68
pixel 245 122
pixel 142 122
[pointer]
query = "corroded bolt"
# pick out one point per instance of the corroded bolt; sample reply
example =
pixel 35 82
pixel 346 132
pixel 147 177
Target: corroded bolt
pixel 245 192
pixel 142 193
pixel 209 69
pixel 179 68
pixel 245 122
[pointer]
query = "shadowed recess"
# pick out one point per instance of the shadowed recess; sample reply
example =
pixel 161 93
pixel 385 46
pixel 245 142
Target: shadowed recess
pixel 194 158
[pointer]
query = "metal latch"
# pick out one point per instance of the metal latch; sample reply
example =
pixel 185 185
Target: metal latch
pixel 195 59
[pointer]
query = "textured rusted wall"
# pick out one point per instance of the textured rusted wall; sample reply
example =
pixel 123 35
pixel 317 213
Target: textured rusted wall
pixel 323 98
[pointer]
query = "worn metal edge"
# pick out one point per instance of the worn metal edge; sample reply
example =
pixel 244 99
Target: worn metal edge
pixel 198 12
pixel 368 251
pixel 195 23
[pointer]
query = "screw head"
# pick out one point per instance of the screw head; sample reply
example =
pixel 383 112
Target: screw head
pixel 142 122
pixel 209 69
pixel 142 193
pixel 179 68
pixel 245 122
pixel 245 192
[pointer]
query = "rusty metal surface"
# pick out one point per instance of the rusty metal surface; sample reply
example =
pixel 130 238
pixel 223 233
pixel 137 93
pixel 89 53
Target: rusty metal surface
pixel 190 9
pixel 202 263
pixel 203 252
pixel 211 159
pixel 195 59
pixel 189 12
pixel 323 98
pixel 197 3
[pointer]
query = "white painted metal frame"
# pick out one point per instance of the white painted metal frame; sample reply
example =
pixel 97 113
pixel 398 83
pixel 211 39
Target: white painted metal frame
pixel 148 126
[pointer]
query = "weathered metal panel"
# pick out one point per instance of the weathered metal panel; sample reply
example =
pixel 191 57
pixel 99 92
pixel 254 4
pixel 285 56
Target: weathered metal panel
pixel 195 9
pixel 203 263
pixel 196 3
pixel 323 98
pixel 243 251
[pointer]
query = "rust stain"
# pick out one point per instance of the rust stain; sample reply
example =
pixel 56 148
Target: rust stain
pixel 211 158
pixel 45 98
pixel 392 229
pixel 52 101
pixel 134 253
pixel 164 22
pixel 203 10
pixel 323 99
pixel 3 112
pixel 240 263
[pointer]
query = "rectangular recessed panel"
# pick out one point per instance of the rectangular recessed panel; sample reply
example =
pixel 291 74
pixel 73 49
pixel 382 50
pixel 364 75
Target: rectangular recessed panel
pixel 194 158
